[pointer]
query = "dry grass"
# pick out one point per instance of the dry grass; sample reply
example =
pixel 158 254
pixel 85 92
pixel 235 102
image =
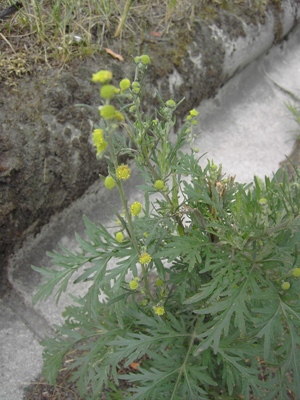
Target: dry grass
pixel 54 32
pixel 61 30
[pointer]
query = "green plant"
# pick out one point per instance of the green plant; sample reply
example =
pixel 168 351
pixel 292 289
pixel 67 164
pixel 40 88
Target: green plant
pixel 202 301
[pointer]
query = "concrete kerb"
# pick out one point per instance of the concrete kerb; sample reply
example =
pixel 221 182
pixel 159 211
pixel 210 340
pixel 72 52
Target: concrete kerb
pixel 258 40
pixel 21 324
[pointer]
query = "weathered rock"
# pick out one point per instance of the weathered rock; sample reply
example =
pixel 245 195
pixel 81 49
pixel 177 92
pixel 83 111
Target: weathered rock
pixel 46 156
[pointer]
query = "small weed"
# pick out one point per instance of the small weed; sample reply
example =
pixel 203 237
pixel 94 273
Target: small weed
pixel 221 317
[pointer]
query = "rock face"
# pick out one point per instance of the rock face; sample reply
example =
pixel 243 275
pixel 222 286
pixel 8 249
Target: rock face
pixel 46 156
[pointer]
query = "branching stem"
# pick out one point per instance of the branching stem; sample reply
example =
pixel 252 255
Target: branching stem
pixel 183 368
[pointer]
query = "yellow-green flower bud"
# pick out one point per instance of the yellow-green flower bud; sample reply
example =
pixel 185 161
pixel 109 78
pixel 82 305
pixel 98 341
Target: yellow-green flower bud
pixel 119 116
pixel 145 59
pixel 123 172
pixel 102 76
pixel 99 141
pixel 263 201
pixel 136 208
pixel 285 286
pixel 108 111
pixel 135 87
pixel 101 147
pixel 109 182
pixel 145 258
pixel 137 59
pixel 159 282
pixel 108 91
pixel 159 185
pixel 194 113
pixel 159 310
pixel 132 109
pixel 134 284
pixel 296 272
pixel 119 237
pixel 171 104
pixel 125 84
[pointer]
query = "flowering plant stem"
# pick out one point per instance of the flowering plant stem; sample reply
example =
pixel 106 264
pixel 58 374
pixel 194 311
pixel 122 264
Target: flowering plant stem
pixel 200 284
pixel 182 370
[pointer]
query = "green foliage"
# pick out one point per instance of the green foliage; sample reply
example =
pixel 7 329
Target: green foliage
pixel 221 318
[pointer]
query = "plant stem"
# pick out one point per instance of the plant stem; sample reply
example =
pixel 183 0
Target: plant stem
pixel 155 176
pixel 182 368
pixel 128 218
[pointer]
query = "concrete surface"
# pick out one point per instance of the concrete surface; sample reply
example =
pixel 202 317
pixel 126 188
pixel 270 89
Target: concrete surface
pixel 246 127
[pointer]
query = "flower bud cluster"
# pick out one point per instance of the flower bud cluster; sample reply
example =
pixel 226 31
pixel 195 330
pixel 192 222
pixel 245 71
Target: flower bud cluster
pixel 142 61
pixel 191 120
pixel 99 141
pixel 159 185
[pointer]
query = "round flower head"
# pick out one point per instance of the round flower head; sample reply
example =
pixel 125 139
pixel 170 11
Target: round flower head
pixel 108 91
pixel 135 208
pixel 145 59
pixel 108 112
pixel 109 182
pixel 194 113
pixel 99 141
pixel 145 258
pixel 119 237
pixel 136 87
pixel 134 284
pixel 171 104
pixel 132 109
pixel 119 116
pixel 102 76
pixel 296 272
pixel 159 310
pixel 214 167
pixel 123 172
pixel 101 147
pixel 263 201
pixel 125 84
pixel 285 286
pixel 159 185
